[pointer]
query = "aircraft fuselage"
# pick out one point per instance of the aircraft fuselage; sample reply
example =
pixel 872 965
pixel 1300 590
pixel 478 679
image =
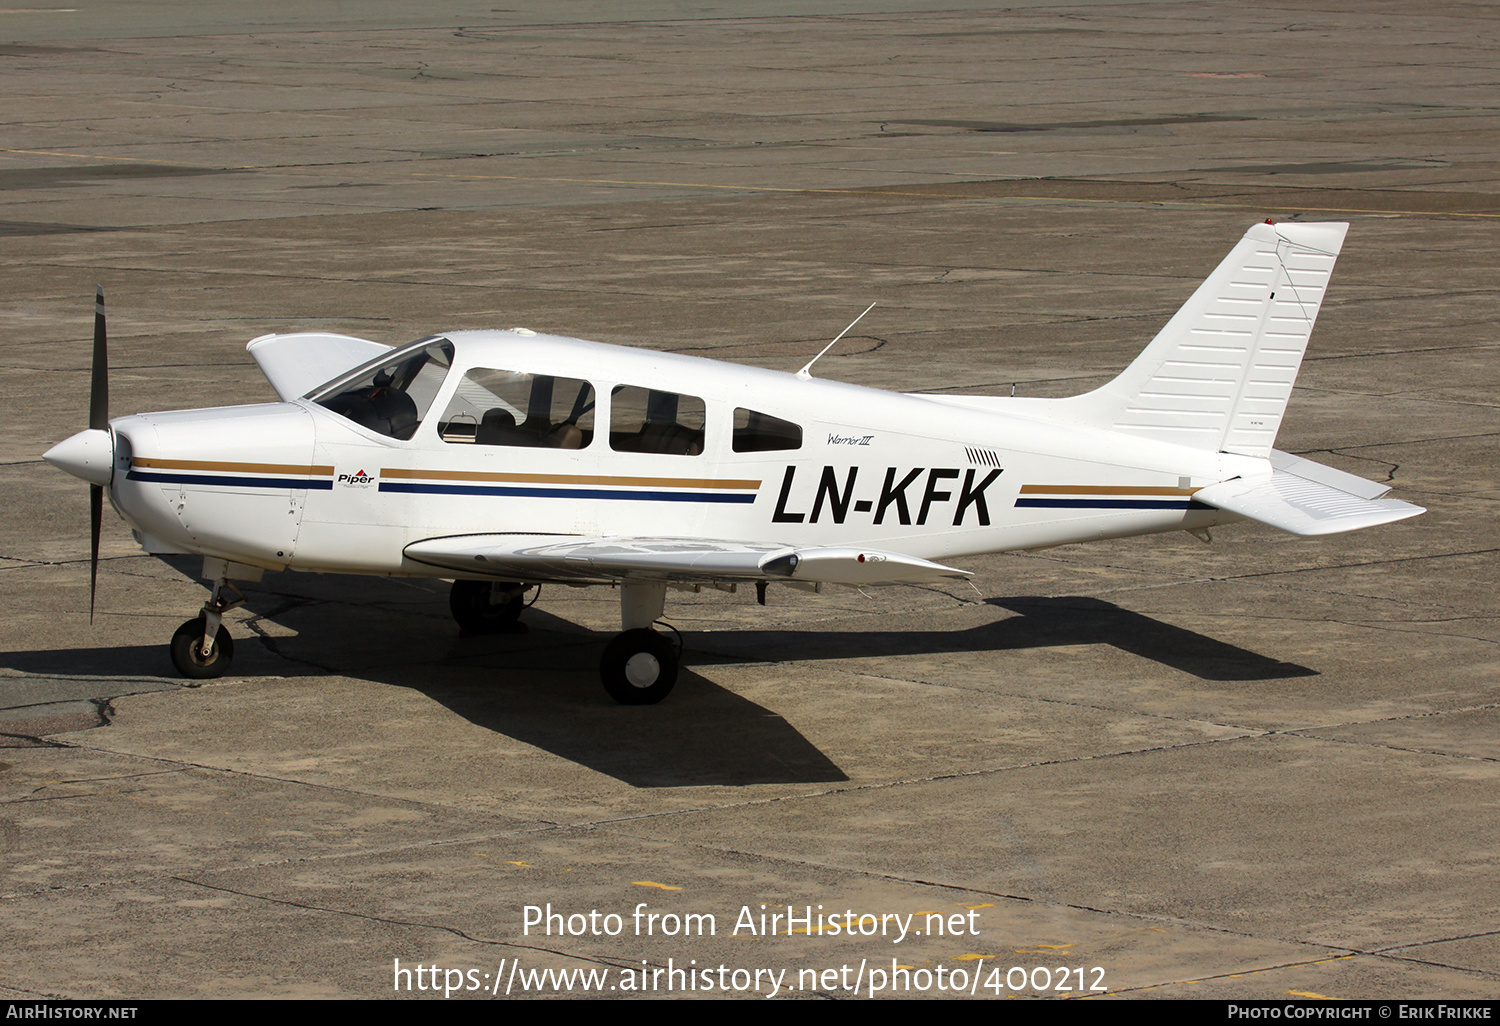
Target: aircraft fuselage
pixel 296 485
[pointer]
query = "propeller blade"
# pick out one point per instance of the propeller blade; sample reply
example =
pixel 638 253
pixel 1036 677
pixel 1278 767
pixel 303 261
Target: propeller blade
pixel 99 386
pixel 98 420
pixel 96 513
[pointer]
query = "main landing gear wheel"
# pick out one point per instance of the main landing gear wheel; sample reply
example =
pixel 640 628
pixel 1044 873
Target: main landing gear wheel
pixel 187 651
pixel 487 607
pixel 639 667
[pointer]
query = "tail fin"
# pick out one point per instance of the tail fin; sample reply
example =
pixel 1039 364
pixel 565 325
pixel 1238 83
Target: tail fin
pixel 1219 375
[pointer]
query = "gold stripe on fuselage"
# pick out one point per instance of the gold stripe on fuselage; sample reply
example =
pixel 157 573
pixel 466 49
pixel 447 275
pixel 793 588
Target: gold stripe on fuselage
pixel 216 465
pixel 1101 490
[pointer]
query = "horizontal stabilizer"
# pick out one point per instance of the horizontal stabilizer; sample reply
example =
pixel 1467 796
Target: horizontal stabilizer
pixel 1299 467
pixel 297 364
pixel 532 557
pixel 1294 501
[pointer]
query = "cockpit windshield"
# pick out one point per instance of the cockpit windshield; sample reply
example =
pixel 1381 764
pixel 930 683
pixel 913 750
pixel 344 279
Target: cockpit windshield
pixel 391 395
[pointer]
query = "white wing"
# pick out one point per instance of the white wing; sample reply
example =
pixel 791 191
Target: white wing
pixel 551 557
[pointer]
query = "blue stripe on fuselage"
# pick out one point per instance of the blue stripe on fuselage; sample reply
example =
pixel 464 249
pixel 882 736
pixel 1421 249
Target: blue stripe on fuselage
pixel 563 493
pixel 315 483
pixel 1112 504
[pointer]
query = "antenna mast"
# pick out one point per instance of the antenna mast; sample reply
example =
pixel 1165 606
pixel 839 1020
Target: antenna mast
pixel 806 372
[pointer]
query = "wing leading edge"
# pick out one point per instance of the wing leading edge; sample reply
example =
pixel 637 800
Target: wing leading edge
pixel 551 557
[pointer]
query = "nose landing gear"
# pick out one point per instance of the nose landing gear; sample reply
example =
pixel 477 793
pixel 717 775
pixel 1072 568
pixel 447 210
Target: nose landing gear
pixel 195 657
pixel 202 648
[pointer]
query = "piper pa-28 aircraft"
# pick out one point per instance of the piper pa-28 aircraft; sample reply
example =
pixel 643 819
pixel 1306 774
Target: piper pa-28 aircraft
pixel 504 459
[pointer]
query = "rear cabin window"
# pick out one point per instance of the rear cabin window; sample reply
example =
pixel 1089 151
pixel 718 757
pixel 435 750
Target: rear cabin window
pixel 500 407
pixel 761 432
pixel 650 420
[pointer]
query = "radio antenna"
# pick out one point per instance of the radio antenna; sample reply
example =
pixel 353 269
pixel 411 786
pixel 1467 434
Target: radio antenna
pixel 806 372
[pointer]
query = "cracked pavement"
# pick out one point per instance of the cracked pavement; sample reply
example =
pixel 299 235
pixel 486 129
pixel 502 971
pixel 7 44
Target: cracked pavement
pixel 1260 767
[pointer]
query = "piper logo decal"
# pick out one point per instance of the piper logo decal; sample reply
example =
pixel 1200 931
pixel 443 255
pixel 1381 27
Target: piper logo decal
pixel 356 480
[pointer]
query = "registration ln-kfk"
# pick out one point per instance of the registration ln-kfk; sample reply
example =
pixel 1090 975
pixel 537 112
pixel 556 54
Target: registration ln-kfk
pixel 504 459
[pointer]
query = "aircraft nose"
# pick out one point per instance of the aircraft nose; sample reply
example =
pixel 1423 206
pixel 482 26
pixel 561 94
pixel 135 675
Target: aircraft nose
pixel 89 455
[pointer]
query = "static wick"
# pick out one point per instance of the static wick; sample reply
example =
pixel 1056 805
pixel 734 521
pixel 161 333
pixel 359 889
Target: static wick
pixel 806 372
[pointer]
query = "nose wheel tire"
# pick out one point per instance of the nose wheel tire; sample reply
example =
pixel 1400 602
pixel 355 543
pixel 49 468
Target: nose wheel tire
pixel 187 651
pixel 483 607
pixel 639 667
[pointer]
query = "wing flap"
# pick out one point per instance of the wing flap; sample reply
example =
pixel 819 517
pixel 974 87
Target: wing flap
pixel 599 560
pixel 1303 506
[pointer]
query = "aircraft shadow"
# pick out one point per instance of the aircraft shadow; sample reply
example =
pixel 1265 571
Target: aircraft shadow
pixel 702 735
pixel 541 688
pixel 1042 623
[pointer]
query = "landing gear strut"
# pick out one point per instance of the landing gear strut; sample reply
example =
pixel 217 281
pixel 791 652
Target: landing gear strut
pixel 639 666
pixel 202 648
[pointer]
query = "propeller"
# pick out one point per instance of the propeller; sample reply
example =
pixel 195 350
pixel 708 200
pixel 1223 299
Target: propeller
pixel 90 454
pixel 98 421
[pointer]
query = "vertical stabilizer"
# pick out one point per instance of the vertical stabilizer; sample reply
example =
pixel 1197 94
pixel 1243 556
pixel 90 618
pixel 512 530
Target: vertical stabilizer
pixel 1219 375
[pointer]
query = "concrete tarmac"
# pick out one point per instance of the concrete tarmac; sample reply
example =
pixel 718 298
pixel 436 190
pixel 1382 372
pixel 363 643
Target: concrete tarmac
pixel 1252 769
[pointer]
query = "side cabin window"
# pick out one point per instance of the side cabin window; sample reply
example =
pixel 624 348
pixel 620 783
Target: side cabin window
pixel 501 407
pixel 650 420
pixel 393 397
pixel 761 432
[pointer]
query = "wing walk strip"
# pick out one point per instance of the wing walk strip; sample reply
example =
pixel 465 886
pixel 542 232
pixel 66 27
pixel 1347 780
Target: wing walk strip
pixel 568 486
pixel 1106 497
pixel 232 475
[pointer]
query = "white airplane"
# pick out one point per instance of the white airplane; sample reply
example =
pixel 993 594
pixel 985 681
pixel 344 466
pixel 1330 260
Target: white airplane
pixel 504 459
